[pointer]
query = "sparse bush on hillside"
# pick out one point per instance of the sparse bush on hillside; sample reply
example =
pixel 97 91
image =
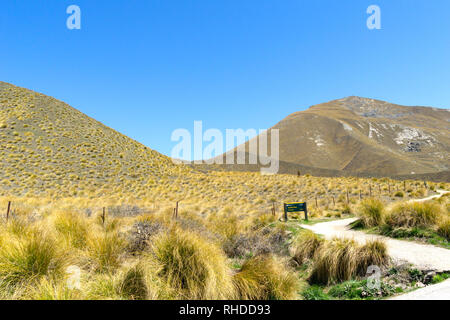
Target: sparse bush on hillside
pixel 140 234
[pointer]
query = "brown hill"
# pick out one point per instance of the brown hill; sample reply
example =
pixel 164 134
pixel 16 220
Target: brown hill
pixel 363 137
pixel 46 145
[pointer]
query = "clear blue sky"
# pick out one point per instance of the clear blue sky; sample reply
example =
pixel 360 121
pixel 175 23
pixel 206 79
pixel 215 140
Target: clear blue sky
pixel 148 67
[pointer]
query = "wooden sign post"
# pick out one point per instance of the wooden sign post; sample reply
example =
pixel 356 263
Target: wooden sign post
pixel 295 207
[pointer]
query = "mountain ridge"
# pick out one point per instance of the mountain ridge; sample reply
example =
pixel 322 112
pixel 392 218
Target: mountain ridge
pixel 365 137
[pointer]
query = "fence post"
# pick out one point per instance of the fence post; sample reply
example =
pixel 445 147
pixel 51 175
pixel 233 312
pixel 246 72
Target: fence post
pixel 176 210
pixel 7 211
pixel 348 200
pixel 370 190
pixel 306 211
pixel 104 216
pixel 316 203
pixel 334 201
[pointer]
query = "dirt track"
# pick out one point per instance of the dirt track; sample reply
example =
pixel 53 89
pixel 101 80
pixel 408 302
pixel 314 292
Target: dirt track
pixel 423 256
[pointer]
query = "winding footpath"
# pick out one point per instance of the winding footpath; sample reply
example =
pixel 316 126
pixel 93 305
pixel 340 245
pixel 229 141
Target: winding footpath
pixel 423 256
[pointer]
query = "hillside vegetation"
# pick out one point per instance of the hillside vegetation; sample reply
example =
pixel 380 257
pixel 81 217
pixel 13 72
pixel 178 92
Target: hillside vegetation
pixel 47 146
pixel 78 198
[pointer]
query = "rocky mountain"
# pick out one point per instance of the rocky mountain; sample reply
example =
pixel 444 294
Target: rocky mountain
pixel 363 137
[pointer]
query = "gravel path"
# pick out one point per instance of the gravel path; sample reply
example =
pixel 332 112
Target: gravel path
pixel 423 256
pixel 440 291
pixel 440 194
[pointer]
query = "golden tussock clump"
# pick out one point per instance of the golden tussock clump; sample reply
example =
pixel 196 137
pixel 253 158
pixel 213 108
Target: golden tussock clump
pixel 418 214
pixel 343 259
pixel 304 246
pixel 371 212
pixel 266 277
pixel 192 266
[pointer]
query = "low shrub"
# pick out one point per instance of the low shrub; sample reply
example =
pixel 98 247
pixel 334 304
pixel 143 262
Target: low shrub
pixel 315 293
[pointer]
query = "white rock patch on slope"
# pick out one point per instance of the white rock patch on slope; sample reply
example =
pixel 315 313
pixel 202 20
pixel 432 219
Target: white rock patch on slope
pixel 408 134
pixel 373 131
pixel 318 141
pixel 346 127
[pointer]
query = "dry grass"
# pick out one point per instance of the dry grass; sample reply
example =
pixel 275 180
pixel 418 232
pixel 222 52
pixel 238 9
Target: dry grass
pixel 29 258
pixel 343 259
pixel 305 245
pixel 444 228
pixel 265 277
pixel 371 212
pixel 191 265
pixel 419 214
pixel 60 169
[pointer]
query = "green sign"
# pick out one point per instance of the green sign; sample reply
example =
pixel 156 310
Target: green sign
pixel 295 207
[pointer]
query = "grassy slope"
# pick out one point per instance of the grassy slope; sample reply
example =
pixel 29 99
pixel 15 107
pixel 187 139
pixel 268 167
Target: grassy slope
pixel 48 145
pixel 339 137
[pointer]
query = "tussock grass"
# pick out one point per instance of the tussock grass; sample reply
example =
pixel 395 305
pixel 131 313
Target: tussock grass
pixel 73 227
pixel 304 246
pixel 27 259
pixel 227 225
pixel 192 266
pixel 417 214
pixel 371 212
pixel 372 253
pixel 266 277
pixel 105 286
pixel 444 228
pixel 133 284
pixel 105 251
pixel 343 259
pixel 52 290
